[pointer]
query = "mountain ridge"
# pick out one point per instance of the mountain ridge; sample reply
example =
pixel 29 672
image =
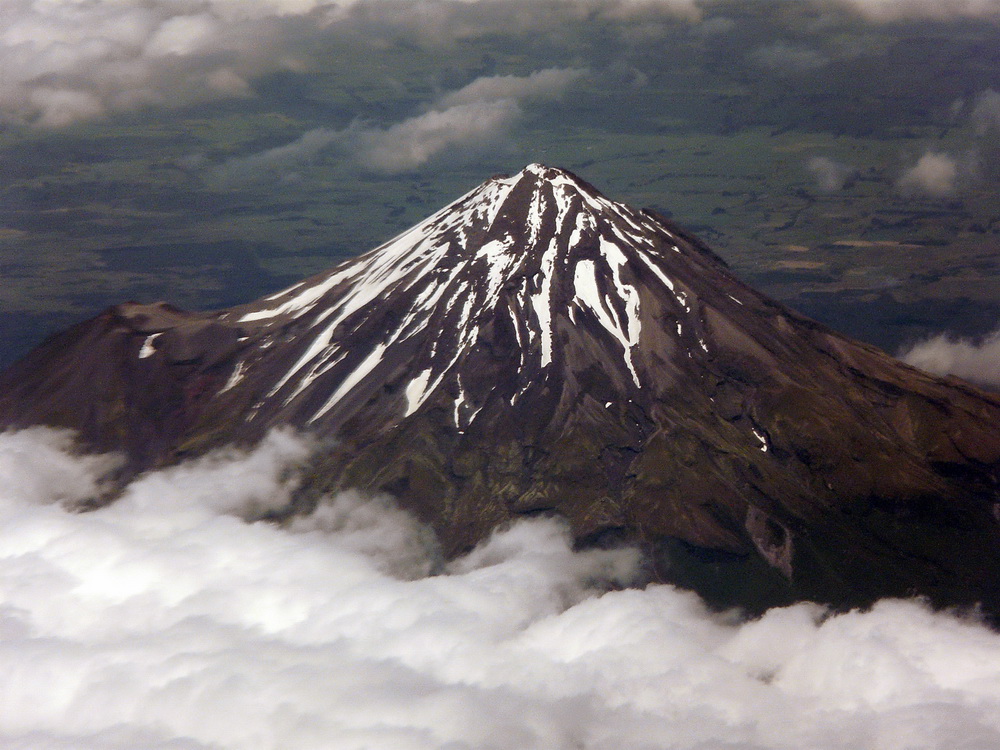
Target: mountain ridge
pixel 535 347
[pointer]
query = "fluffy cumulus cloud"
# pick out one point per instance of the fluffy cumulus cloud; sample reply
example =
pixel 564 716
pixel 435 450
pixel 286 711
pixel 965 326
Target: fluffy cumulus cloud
pixel 170 619
pixel 66 61
pixel 947 355
pixel 935 175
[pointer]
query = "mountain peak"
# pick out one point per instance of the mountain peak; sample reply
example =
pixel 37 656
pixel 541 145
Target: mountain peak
pixel 542 173
pixel 517 263
pixel 537 347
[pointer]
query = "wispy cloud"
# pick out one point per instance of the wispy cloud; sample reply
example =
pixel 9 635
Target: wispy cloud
pixel 830 175
pixel 479 116
pixel 550 83
pixel 894 10
pixel 985 116
pixel 454 130
pixel 278 163
pixel 783 57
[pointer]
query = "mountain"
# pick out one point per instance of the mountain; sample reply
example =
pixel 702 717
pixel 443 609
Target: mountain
pixel 535 347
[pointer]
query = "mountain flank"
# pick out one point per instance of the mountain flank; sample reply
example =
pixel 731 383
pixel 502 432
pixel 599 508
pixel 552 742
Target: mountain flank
pixel 535 347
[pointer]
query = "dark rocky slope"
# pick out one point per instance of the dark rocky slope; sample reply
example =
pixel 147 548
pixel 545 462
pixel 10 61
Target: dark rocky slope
pixel 535 347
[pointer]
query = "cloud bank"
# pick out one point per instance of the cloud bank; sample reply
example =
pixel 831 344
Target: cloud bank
pixel 946 355
pixel 167 620
pixel 65 61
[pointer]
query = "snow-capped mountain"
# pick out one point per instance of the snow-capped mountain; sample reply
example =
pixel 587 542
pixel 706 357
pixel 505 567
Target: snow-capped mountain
pixel 538 265
pixel 537 347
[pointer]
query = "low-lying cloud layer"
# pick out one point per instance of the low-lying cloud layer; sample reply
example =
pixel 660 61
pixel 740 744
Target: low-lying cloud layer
pixel 167 620
pixel 947 355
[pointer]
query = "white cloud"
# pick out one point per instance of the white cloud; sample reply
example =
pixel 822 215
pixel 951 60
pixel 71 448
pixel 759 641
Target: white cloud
pixel 946 355
pixel 65 61
pixel 830 175
pixel 413 142
pixel 166 621
pixel 478 116
pixel 934 174
pixel 37 466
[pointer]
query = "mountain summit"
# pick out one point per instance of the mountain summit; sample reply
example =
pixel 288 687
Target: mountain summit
pixel 535 347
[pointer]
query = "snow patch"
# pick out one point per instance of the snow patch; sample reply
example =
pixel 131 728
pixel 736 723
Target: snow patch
pixel 761 438
pixel 357 375
pixel 235 378
pixel 417 391
pixel 148 350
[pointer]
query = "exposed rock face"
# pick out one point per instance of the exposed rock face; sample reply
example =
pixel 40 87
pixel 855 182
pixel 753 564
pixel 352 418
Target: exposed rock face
pixel 536 347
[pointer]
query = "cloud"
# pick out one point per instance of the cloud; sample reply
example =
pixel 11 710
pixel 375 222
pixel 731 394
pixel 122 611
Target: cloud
pixel 550 83
pixel 830 175
pixel 934 174
pixel 717 26
pixel 789 58
pixel 946 355
pixel 476 117
pixel 278 163
pixel 65 61
pixel 894 10
pixel 985 116
pixel 415 141
pixel 40 464
pixel 168 621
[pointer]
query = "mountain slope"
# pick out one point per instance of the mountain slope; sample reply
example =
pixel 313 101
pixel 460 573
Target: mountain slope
pixel 536 347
